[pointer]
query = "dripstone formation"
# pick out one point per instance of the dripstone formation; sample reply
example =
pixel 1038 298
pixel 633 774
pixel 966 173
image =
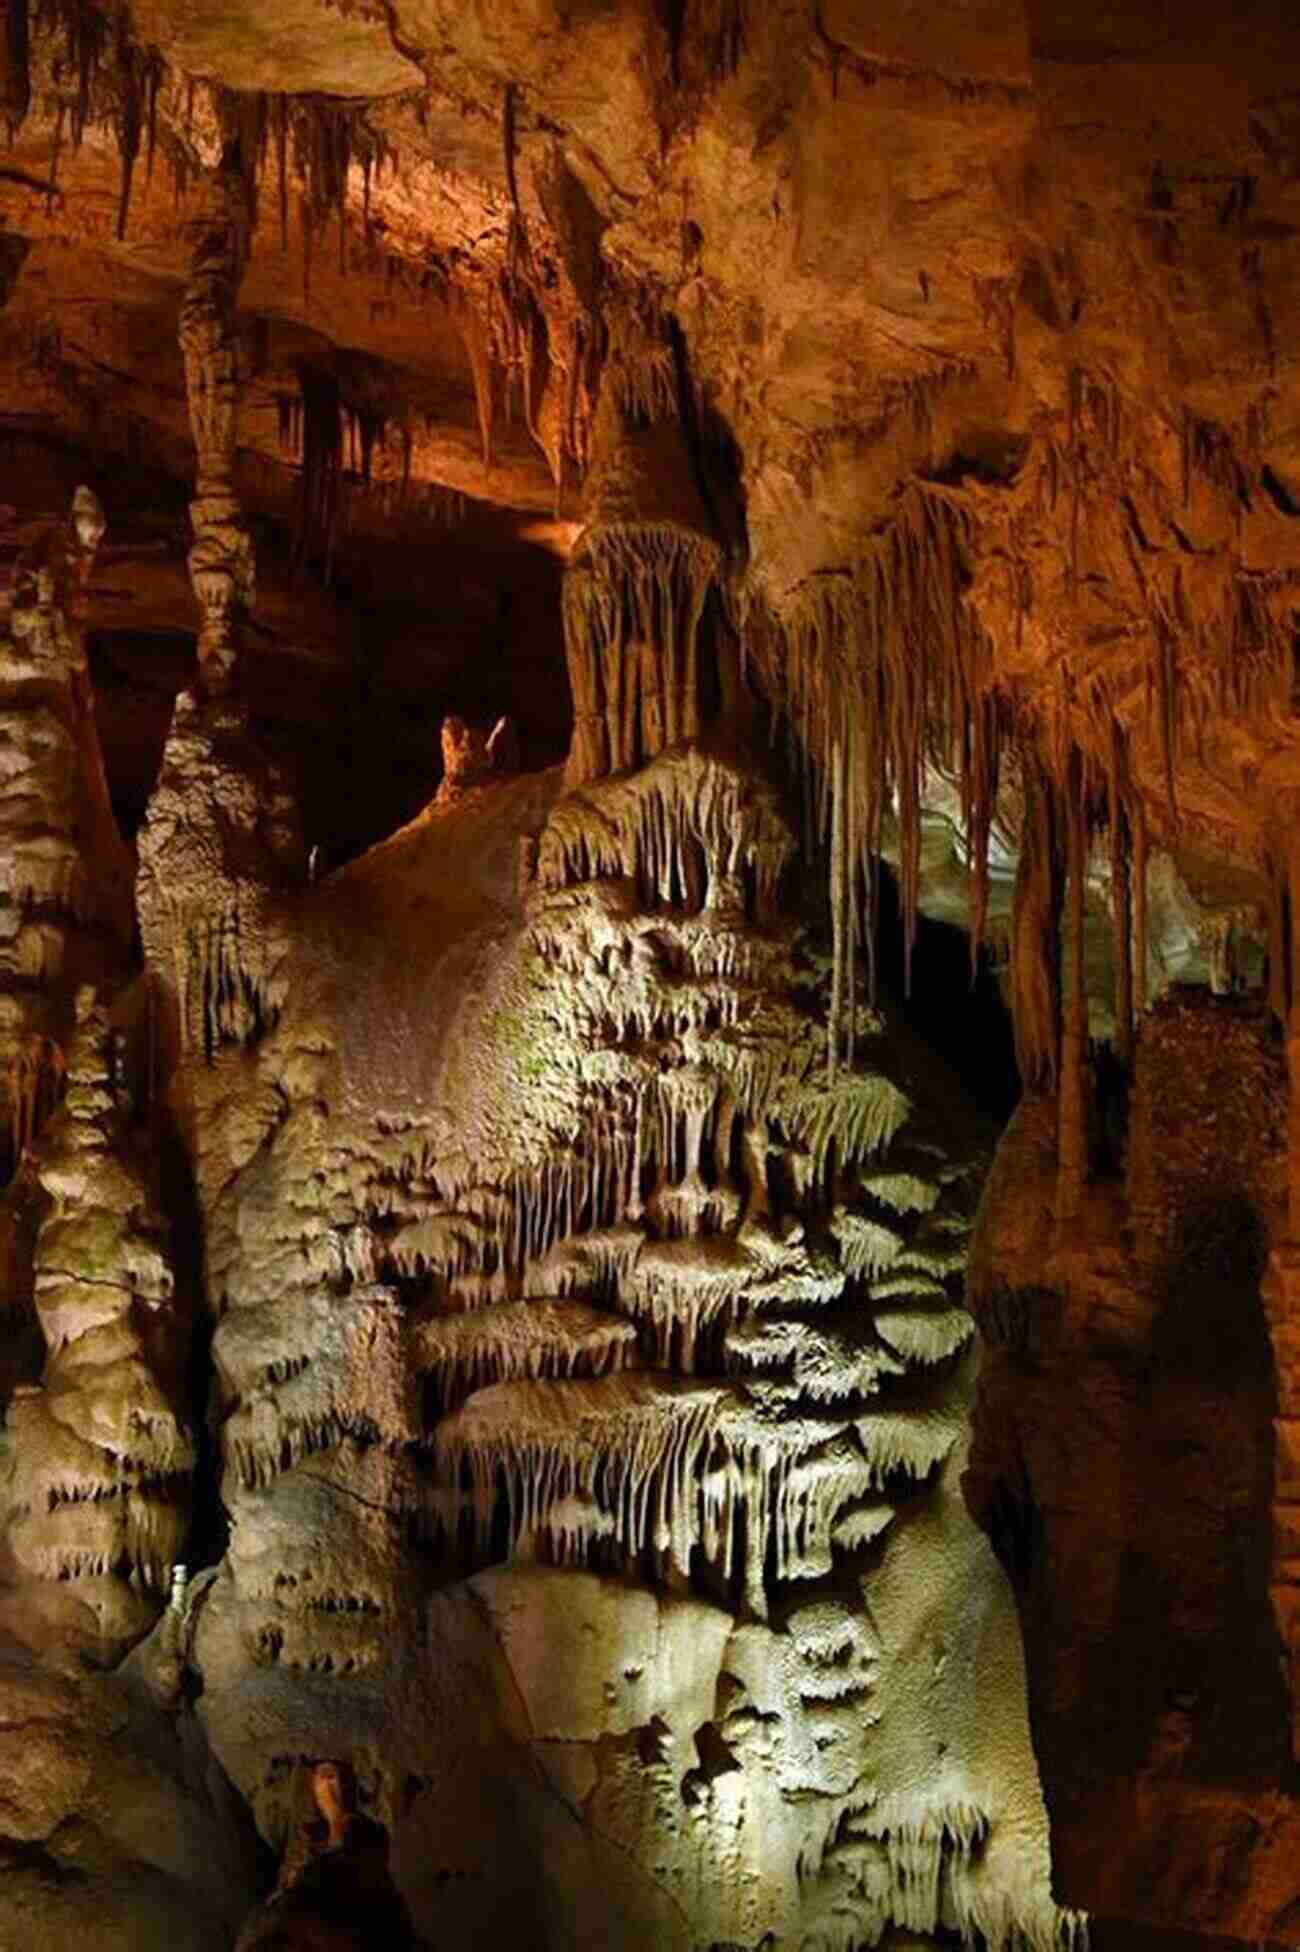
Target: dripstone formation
pixel 649 976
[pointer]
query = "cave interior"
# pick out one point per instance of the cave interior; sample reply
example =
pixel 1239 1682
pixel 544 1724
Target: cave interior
pixel 649 975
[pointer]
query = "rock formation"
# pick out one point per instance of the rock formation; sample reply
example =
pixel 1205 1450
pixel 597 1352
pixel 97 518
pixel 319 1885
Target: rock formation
pixel 98 1453
pixel 117 1829
pixel 550 1260
pixel 649 971
pixel 66 888
pixel 1159 1696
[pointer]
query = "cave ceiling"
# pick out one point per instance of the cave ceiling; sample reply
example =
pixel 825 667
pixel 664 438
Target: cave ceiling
pixel 1040 261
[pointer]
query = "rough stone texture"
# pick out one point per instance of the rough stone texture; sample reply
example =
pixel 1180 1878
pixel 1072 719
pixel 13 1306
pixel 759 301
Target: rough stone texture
pixel 581 1094
pixel 98 1456
pixel 1130 1465
pixel 333 50
pixel 118 1831
pixel 886 417
pixel 65 895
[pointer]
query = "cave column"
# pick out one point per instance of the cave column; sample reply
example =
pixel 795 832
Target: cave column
pixel 221 559
pixel 1282 1298
pixel 221 841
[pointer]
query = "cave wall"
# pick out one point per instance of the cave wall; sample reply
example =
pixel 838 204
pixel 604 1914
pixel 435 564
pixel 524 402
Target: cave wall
pixel 1131 1465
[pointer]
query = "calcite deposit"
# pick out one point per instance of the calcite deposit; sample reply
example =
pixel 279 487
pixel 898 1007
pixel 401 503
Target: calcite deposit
pixel 649 973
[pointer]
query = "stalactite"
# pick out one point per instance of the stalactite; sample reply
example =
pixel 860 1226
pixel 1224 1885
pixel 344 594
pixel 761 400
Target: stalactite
pixel 1140 939
pixel 888 664
pixel 1293 1030
pixel 321 421
pixel 139 77
pixel 1035 942
pixel 34 1084
pixel 841 873
pixel 475 337
pixel 1072 1142
pixel 221 559
pixel 17 81
pixel 282 168
pixel 1279 987
pixel 1119 796
pixel 86 36
pixel 1122 899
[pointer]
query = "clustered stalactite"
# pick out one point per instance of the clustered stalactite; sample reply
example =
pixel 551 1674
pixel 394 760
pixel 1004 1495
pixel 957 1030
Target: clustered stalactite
pixel 313 142
pixel 636 591
pixel 886 670
pixel 885 674
pixel 536 332
pixel 534 345
pixel 531 355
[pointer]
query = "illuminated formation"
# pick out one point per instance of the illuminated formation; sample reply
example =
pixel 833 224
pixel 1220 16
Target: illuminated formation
pixel 649 976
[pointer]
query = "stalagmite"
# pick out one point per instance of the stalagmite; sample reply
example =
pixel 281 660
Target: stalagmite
pixel 64 871
pixel 97 1480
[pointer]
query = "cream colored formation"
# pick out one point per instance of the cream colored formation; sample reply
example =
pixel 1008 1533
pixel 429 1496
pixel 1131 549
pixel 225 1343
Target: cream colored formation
pixel 589 1368
pixel 554 1276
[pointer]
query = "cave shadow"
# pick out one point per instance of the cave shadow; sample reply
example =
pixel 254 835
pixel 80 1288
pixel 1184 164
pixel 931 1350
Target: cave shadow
pixel 959 1015
pixel 209 1529
pixel 1208 1669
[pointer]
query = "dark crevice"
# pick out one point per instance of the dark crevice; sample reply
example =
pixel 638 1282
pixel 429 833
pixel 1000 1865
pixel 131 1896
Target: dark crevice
pixel 209 1528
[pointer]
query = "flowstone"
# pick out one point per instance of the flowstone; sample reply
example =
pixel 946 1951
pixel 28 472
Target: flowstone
pixel 593 1387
